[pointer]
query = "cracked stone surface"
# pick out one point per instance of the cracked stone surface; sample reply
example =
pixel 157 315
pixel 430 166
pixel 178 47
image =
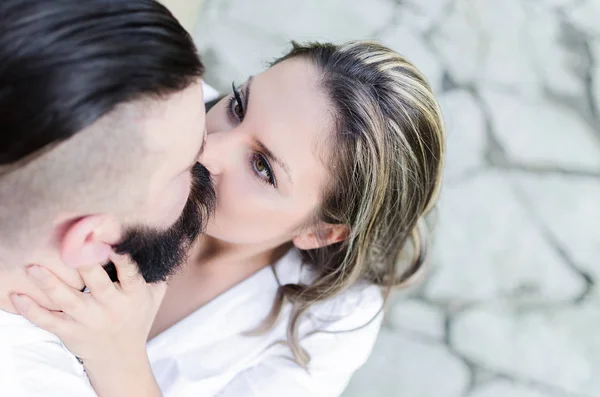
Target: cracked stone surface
pixel 569 208
pixel 511 306
pixel 486 249
pixel 466 138
pixel 400 363
pixel 506 388
pixel 421 15
pixel 419 318
pixel 585 15
pixel 458 39
pixel 559 4
pixel 550 347
pixel 550 38
pixel 521 124
pixel 476 47
pixel 513 46
pixel 334 20
pixel 595 74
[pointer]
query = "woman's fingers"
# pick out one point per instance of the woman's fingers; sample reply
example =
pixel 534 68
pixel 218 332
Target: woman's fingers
pixel 98 283
pixel 66 298
pixel 54 322
pixel 128 272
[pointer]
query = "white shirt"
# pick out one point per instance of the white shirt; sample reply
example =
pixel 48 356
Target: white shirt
pixel 208 353
pixel 34 363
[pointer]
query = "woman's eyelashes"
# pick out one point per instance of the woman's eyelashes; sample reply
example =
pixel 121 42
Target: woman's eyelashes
pixel 236 109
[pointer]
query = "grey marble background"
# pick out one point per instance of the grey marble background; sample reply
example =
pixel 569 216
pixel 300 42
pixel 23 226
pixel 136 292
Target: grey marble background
pixel 511 307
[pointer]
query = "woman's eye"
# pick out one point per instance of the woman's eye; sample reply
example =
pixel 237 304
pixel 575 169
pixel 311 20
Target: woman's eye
pixel 239 111
pixel 236 105
pixel 260 165
pixel 262 169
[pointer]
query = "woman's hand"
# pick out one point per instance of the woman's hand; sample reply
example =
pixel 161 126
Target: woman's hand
pixel 106 328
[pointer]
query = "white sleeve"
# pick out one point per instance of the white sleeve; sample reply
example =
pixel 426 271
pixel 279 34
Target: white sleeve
pixel 335 356
pixel 44 369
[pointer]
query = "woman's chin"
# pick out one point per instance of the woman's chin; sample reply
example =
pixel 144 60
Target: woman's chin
pixel 214 231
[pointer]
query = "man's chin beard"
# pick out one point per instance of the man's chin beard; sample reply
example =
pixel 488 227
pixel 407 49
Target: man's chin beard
pixel 159 253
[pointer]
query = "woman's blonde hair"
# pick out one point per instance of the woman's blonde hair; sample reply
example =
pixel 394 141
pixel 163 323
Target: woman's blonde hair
pixel 385 172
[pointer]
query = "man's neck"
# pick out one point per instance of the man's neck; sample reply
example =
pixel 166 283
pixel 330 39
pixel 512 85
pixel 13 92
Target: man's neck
pixel 14 280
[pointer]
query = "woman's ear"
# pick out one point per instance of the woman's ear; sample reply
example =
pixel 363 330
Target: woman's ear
pixel 321 235
pixel 88 241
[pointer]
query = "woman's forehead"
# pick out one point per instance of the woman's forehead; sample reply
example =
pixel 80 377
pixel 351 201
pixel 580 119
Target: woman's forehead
pixel 290 114
pixel 288 97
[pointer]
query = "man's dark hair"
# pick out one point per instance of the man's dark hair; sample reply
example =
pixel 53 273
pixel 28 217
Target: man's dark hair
pixel 66 63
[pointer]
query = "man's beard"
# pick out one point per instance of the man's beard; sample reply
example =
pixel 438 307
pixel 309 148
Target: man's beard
pixel 159 253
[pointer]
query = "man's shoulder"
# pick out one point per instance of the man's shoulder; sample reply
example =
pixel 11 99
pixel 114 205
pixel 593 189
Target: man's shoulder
pixel 35 363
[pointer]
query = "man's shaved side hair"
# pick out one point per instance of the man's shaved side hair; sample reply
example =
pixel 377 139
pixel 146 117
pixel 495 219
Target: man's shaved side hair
pixel 83 174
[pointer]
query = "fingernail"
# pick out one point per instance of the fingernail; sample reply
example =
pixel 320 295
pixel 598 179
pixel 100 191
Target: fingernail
pixel 20 303
pixel 38 273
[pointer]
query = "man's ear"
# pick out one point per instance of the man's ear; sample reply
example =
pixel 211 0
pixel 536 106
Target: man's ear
pixel 321 235
pixel 88 241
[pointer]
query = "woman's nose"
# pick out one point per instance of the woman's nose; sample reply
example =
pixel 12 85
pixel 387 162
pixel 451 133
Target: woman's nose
pixel 214 156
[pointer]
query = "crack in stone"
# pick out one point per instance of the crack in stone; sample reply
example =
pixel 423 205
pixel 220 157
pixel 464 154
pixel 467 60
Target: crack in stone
pixel 447 328
pixel 545 169
pixel 578 40
pixel 556 245
pixel 469 365
pixel 548 390
pixel 507 376
pixel 394 19
pixel 465 176
pixel 448 83
pixel 446 11
pixel 474 367
pixel 494 151
pixel 589 84
pixel 496 157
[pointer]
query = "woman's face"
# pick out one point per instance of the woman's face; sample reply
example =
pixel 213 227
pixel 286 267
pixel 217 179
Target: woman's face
pixel 266 151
